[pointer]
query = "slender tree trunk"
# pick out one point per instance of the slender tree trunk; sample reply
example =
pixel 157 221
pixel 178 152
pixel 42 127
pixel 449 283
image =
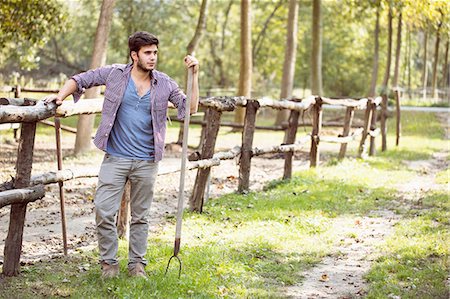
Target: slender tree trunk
pixel 373 83
pixel 287 81
pixel 245 75
pixel 435 64
pixel 385 90
pixel 262 34
pixel 409 64
pixel 388 54
pixel 316 56
pixel 86 122
pixel 445 79
pixel 425 66
pixel 192 46
pixel 397 51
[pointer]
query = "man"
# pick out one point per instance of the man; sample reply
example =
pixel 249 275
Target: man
pixel 131 132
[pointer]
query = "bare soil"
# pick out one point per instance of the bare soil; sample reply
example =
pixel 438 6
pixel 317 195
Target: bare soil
pixel 43 232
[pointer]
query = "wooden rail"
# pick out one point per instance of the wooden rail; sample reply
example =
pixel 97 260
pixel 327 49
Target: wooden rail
pixel 25 188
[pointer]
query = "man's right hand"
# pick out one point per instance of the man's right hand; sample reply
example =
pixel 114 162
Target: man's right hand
pixel 53 98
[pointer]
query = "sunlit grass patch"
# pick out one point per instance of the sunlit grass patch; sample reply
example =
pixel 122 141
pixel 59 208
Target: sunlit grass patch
pixel 415 262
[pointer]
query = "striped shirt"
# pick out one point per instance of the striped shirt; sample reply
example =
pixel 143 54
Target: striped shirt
pixel 115 77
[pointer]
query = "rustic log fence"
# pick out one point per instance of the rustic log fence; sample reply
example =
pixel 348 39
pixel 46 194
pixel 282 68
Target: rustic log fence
pixel 25 188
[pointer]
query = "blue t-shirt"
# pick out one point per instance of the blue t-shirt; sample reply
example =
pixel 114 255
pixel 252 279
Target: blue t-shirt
pixel 132 133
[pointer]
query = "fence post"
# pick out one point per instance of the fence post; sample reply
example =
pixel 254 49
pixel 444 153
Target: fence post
pixel 291 132
pixel 367 119
pixel 202 133
pixel 13 242
pixel 17 92
pixel 316 126
pixel 212 129
pixel 383 122
pixel 247 142
pixel 123 217
pixel 349 113
pixel 398 124
pixel 373 126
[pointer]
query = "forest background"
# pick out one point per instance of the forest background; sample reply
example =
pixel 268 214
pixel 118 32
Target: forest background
pixel 44 43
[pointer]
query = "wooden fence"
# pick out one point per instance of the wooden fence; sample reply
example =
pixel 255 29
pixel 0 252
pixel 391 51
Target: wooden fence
pixel 24 188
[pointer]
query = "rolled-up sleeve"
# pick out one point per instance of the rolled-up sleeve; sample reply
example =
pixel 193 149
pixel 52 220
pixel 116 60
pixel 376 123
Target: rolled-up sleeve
pixel 90 79
pixel 178 99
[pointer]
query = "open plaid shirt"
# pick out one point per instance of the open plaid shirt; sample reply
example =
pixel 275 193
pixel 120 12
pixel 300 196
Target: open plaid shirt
pixel 115 78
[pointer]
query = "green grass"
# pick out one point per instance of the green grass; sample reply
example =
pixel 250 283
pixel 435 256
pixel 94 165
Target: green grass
pixel 252 245
pixel 415 262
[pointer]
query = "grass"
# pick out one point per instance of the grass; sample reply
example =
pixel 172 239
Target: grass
pixel 253 245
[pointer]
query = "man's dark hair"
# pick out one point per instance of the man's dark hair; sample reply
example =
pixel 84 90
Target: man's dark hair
pixel 140 39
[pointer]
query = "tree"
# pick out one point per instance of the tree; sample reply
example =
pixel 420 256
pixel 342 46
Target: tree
pixel 385 90
pixel 287 81
pixel 86 122
pixel 316 55
pixel 373 82
pixel 397 50
pixel 245 73
pixel 436 57
pixel 28 25
pixel 192 46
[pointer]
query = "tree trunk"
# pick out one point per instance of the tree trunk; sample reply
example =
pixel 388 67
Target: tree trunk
pixel 385 90
pixel 192 46
pixel 445 78
pixel 373 83
pixel 425 67
pixel 389 54
pixel 86 122
pixel 245 74
pixel 435 64
pixel 397 51
pixel 316 56
pixel 287 81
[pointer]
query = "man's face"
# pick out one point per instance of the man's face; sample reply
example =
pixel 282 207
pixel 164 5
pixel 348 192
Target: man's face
pixel 146 58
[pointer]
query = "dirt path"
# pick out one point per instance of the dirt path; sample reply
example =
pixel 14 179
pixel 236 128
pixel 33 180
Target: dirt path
pixel 42 232
pixel 340 275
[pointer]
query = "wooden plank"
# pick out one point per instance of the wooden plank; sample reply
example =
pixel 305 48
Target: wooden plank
pixel 290 134
pixel 373 127
pixel 383 122
pixel 317 125
pixel 13 242
pixel 21 196
pixel 398 128
pixel 247 142
pixel 212 129
pixel 349 113
pixel 124 215
pixel 367 120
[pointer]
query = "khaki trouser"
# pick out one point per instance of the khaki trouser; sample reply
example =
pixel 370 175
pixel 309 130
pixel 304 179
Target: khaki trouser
pixel 113 175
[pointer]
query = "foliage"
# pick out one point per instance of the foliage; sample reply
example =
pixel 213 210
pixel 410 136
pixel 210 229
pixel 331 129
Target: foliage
pixel 28 25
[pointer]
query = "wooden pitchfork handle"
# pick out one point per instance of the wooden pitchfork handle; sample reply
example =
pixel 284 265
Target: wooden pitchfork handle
pixel 180 207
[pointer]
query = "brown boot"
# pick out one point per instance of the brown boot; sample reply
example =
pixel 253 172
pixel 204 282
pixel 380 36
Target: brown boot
pixel 109 271
pixel 138 271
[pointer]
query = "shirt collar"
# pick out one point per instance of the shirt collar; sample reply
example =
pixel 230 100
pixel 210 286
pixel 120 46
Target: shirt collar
pixel 153 75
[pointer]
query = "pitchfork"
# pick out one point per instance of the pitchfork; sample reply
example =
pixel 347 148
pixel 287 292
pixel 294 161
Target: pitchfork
pixel 180 208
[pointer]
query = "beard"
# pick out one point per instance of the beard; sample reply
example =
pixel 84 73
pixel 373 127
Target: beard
pixel 143 67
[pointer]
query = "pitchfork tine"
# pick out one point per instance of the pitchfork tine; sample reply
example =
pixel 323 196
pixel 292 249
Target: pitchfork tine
pixel 168 264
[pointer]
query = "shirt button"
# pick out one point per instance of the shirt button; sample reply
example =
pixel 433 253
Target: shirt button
pixel 106 134
pixel 110 125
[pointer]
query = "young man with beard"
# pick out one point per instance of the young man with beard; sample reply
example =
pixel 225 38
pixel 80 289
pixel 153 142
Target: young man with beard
pixel 131 132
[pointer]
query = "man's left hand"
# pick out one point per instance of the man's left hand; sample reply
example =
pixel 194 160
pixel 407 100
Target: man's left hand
pixel 191 61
